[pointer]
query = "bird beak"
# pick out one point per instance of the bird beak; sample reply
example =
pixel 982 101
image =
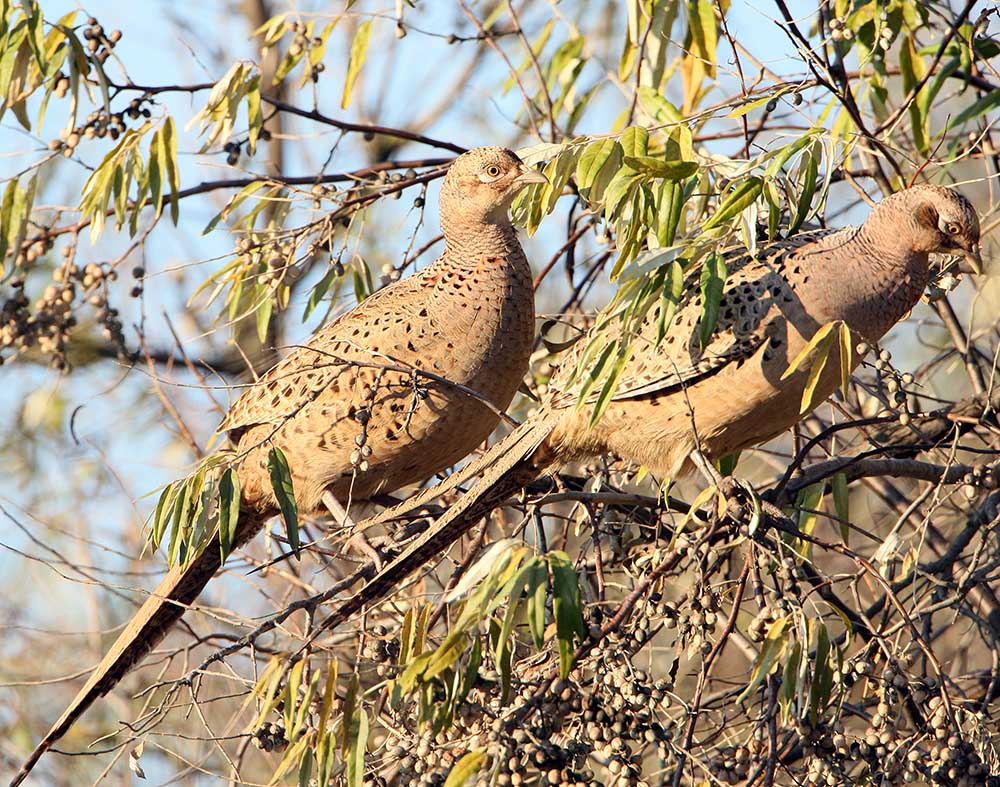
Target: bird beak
pixel 973 262
pixel 527 175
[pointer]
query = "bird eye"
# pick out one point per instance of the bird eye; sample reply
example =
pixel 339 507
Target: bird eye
pixel 953 229
pixel 493 171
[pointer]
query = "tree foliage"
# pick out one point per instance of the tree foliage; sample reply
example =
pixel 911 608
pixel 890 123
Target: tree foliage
pixel 831 620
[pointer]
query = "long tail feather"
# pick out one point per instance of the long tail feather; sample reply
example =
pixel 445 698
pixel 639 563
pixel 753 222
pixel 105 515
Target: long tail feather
pixel 165 606
pixel 507 467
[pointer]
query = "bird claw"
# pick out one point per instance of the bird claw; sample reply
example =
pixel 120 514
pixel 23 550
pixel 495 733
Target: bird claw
pixel 359 543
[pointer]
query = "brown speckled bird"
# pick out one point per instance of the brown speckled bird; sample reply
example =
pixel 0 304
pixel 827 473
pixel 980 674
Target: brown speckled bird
pixel 678 396
pixel 395 390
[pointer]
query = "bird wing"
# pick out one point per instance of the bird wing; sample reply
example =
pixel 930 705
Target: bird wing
pixel 311 368
pixel 754 286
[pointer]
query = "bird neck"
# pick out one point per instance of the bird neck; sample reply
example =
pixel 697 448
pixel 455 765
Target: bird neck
pixel 891 271
pixel 472 239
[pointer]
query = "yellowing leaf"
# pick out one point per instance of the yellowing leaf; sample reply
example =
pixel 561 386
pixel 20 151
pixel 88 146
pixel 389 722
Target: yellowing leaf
pixel 774 646
pixel 359 52
pixel 465 769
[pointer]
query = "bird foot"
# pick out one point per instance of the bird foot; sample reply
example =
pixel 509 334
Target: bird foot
pixel 358 542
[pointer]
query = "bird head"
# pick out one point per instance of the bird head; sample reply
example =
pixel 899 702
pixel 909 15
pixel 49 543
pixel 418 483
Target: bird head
pixel 481 184
pixel 947 224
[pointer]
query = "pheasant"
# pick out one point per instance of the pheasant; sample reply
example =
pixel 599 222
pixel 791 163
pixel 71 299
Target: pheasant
pixel 395 390
pixel 680 395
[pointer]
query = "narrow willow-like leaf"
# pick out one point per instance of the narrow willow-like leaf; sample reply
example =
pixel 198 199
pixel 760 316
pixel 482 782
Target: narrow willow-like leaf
pixel 610 384
pixel 465 769
pixel 815 374
pixel 812 345
pixel 846 357
pixel 229 510
pixel 670 296
pixel 808 172
pixel 538 583
pixel 358 738
pixel 822 682
pixel 359 52
pixel 292 700
pixel 234 203
pixel 987 103
pixel 169 133
pixel 736 202
pixel 566 608
pixel 808 502
pixel 713 280
pixel 255 118
pixel 263 317
pixel 770 653
pixel 281 483
pixel 161 515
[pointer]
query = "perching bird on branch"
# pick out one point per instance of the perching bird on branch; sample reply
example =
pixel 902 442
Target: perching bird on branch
pixel 733 391
pixel 395 390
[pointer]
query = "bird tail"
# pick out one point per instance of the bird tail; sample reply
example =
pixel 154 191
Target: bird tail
pixel 507 467
pixel 165 606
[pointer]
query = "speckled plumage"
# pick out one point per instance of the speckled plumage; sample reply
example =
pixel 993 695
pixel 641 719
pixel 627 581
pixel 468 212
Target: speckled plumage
pixel 467 320
pixel 731 390
pixel 729 395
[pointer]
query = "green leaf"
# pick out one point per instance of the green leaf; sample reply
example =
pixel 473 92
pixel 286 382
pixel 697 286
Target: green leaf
pixel 635 141
pixel 255 118
pixel 235 201
pixel 537 591
pixel 782 155
pixel 305 770
pixel 161 516
pixel 566 607
pixel 263 317
pixel 736 202
pixel 229 510
pixel 727 464
pixel 610 384
pixel 669 170
pixel 153 175
pixel 822 682
pixel 774 646
pixel 358 742
pixel 986 104
pixel 281 483
pixel 657 107
pixel 465 769
pixel 595 168
pixel 169 135
pixel 670 202
pixel 713 279
pixel 808 172
pixel 700 45
pixel 912 69
pixel 359 51
pixel 808 502
pixel 670 296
